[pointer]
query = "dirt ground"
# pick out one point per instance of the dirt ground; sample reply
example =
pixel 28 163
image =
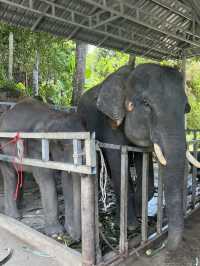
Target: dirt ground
pixel 187 255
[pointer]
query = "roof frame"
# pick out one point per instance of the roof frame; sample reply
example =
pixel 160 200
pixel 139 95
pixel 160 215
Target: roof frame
pixel 78 19
pixel 180 34
pixel 154 28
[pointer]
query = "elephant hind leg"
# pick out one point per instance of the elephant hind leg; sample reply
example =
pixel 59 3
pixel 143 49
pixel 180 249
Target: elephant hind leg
pixel 45 180
pixel 10 182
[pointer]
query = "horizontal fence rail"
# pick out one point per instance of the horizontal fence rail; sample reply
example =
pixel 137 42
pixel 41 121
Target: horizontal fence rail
pixel 77 166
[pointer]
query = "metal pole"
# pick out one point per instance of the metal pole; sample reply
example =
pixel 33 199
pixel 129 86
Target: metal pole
pixel 186 168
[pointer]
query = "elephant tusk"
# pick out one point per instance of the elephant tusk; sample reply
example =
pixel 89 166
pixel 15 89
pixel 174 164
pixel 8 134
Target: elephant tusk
pixel 192 159
pixel 118 122
pixel 159 154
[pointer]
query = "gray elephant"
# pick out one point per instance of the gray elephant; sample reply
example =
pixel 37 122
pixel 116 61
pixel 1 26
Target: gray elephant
pixel 144 106
pixel 30 115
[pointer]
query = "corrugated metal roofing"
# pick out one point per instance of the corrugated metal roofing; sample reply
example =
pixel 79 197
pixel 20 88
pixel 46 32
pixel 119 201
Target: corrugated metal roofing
pixel 158 29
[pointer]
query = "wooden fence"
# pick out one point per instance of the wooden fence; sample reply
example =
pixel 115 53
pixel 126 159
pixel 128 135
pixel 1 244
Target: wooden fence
pixel 84 157
pixel 85 164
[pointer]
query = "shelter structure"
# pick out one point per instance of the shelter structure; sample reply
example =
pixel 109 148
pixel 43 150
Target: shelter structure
pixel 158 29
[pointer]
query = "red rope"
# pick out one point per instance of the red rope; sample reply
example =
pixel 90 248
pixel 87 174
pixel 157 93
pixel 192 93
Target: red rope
pixel 18 167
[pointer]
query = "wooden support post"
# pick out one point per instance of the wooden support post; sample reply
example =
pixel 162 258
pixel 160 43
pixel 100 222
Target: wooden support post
pixel 88 219
pixel 194 173
pixel 10 63
pixel 160 200
pixel 145 168
pixel 123 245
pixel 88 206
pixel 45 150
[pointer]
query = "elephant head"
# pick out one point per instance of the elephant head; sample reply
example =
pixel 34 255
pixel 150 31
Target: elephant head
pixel 150 105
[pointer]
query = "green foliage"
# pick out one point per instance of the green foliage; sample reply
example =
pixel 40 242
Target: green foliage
pixel 102 62
pixel 56 63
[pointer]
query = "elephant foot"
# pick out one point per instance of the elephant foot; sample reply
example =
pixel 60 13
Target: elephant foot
pixel 54 230
pixel 174 241
pixel 133 225
pixel 74 234
pixel 13 213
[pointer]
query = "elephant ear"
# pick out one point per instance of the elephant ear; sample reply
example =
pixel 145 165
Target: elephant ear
pixel 111 99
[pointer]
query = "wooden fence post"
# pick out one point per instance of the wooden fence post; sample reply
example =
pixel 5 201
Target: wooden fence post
pixel 123 245
pixel 145 168
pixel 88 208
pixel 88 219
pixel 160 201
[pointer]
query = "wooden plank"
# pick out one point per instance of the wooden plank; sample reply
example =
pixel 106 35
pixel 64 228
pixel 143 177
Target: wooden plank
pixel 88 220
pixel 47 135
pixel 63 254
pixel 160 201
pixel 49 164
pixel 90 152
pixel 97 236
pixel 118 147
pixel 77 152
pixel 144 226
pixel 45 150
pixel 123 243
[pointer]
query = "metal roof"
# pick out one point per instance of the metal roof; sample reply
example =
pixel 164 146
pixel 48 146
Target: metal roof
pixel 159 29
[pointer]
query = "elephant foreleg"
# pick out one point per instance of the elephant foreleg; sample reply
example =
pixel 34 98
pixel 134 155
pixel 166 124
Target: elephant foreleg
pixel 72 197
pixel 46 182
pixel 10 182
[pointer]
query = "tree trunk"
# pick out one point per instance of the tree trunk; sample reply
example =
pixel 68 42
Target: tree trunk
pixel 36 74
pixel 10 63
pixel 79 74
pixel 132 60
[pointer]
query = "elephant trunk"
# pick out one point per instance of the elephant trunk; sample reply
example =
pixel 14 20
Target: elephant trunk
pixel 173 175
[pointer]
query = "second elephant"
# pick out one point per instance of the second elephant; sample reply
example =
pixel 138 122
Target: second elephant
pixel 30 115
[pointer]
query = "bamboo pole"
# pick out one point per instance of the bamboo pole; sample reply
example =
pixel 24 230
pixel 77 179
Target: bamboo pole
pixel 10 62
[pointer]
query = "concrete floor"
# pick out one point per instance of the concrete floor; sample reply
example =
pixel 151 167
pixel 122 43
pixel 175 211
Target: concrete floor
pixel 23 253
